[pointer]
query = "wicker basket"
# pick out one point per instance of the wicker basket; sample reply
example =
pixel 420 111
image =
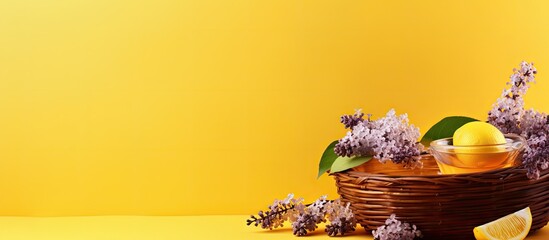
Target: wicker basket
pixel 442 206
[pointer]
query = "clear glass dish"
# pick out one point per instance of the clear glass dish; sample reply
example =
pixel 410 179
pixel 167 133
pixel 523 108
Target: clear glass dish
pixel 392 169
pixel 477 158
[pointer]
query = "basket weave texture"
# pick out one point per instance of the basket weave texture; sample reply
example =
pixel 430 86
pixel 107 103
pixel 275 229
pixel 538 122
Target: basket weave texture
pixel 444 206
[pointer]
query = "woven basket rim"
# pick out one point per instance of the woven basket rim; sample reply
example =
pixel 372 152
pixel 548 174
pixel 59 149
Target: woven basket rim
pixel 496 172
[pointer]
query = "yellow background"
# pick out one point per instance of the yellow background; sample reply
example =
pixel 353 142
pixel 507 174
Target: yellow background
pixel 218 107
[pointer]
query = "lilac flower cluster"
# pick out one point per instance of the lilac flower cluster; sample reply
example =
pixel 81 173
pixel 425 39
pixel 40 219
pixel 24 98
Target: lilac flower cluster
pixel 535 128
pixel 396 230
pixel 509 116
pixel 341 218
pixel 388 138
pixel 278 213
pixel 305 218
pixel 308 220
pixel 352 120
pixel 507 112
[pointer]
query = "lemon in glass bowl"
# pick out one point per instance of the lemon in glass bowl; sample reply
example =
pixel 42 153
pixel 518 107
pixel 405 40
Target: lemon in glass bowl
pixel 476 147
pixel 478 133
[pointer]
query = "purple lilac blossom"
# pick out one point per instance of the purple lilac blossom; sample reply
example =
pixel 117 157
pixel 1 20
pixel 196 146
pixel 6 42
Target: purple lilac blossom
pixel 352 120
pixel 388 138
pixel 341 218
pixel 279 211
pixel 308 220
pixel 507 112
pixel 509 116
pixel 536 131
pixel 396 230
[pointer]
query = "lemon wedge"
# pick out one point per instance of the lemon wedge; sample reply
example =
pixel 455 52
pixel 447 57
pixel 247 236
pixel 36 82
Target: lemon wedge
pixel 514 226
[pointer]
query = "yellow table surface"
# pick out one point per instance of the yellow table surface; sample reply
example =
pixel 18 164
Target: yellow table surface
pixel 138 227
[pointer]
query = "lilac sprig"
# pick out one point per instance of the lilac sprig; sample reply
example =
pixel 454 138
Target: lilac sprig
pixel 342 219
pixel 506 114
pixel 279 212
pixel 388 138
pixel 308 220
pixel 349 121
pixel 396 230
pixel 535 128
pixel 509 116
pixel 305 218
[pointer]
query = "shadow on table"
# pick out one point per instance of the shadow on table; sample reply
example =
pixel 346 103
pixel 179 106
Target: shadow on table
pixel 318 232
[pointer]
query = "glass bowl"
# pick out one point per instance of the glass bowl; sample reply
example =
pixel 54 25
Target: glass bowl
pixel 476 158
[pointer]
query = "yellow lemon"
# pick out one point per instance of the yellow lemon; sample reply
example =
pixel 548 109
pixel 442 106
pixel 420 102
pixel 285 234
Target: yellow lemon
pixel 514 226
pixel 472 152
pixel 477 133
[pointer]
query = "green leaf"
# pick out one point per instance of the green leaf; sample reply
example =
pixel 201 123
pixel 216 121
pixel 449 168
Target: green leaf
pixel 328 158
pixel 344 163
pixel 445 128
